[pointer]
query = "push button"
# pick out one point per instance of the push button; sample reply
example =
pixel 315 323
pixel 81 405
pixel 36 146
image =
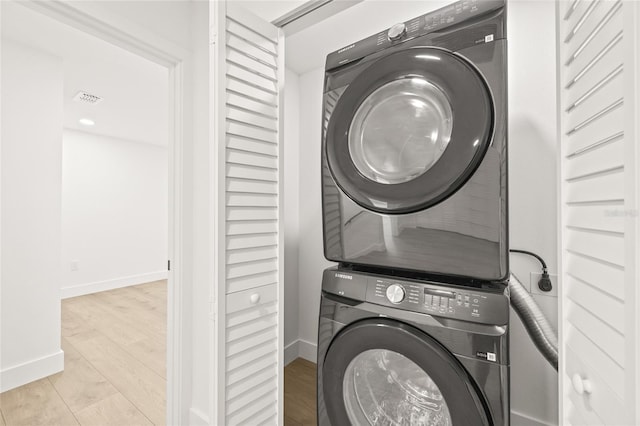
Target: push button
pixel 428 299
pixel 444 302
pixel 436 300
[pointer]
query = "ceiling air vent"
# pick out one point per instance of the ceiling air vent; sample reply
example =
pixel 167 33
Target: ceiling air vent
pixel 87 98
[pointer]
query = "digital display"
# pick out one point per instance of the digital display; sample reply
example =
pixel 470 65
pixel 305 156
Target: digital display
pixel 441 293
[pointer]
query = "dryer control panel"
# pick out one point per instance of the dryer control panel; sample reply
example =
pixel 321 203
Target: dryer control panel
pixel 433 22
pixel 442 300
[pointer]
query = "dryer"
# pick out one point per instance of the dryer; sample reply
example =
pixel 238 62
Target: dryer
pixel 414 146
pixel 408 352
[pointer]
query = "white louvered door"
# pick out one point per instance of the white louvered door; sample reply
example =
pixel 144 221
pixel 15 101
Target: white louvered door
pixel 248 70
pixel 598 82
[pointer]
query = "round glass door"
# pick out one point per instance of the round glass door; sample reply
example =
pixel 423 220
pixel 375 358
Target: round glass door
pixel 400 130
pixel 381 371
pixel 409 130
pixel 385 387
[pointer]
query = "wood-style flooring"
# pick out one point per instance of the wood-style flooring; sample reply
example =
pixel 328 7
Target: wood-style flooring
pixel 114 344
pixel 115 368
pixel 300 393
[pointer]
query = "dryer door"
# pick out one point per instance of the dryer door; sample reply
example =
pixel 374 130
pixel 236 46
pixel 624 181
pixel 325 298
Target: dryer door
pixel 409 130
pixel 384 372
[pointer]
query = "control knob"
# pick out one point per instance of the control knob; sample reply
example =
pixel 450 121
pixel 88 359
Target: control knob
pixel 397 32
pixel 395 293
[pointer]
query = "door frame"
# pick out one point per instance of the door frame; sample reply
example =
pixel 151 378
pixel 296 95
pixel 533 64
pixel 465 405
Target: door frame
pixel 95 21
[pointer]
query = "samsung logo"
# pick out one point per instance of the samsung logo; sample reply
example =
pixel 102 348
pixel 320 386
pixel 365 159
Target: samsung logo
pixel 344 49
pixel 344 276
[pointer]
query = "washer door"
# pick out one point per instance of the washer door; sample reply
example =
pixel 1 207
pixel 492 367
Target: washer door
pixel 384 372
pixel 409 130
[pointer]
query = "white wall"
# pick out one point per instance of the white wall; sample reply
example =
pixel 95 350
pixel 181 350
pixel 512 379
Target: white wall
pixel 291 212
pixel 32 111
pixel 532 173
pixel 533 206
pixel 114 213
pixel 167 20
pixel 311 261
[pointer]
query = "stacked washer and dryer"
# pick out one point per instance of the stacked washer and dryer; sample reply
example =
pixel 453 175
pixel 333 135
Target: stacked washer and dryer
pixel 414 320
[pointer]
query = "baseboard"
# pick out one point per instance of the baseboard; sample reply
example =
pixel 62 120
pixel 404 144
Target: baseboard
pixel 308 350
pixel 300 349
pixel 290 352
pixel 197 417
pixel 98 286
pixel 30 371
pixel 520 419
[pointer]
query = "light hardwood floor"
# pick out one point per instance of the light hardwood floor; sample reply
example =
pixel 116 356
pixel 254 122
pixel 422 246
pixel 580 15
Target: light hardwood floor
pixel 300 393
pixel 115 364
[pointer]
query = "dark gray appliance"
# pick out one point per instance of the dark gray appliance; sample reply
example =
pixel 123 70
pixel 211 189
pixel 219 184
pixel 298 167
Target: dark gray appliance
pixel 409 352
pixel 414 152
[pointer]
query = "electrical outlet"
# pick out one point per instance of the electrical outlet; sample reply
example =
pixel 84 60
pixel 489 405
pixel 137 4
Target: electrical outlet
pixel 75 265
pixel 535 277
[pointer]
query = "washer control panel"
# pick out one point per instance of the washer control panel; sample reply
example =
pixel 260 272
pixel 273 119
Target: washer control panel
pixel 445 301
pixel 459 302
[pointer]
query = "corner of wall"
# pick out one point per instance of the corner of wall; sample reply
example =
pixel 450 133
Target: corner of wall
pixel 300 349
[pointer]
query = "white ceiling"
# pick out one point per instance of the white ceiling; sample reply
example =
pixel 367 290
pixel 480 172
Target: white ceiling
pixel 135 90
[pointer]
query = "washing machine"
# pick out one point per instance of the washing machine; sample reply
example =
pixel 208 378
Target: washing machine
pixel 414 146
pixel 409 352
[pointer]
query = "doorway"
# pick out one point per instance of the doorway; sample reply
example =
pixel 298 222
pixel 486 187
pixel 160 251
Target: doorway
pixel 171 57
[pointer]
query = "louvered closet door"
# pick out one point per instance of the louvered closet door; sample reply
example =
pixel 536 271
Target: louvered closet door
pixel 598 335
pixel 247 85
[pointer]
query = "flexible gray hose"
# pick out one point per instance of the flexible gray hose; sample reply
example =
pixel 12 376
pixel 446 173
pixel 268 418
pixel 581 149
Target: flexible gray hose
pixel 536 324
